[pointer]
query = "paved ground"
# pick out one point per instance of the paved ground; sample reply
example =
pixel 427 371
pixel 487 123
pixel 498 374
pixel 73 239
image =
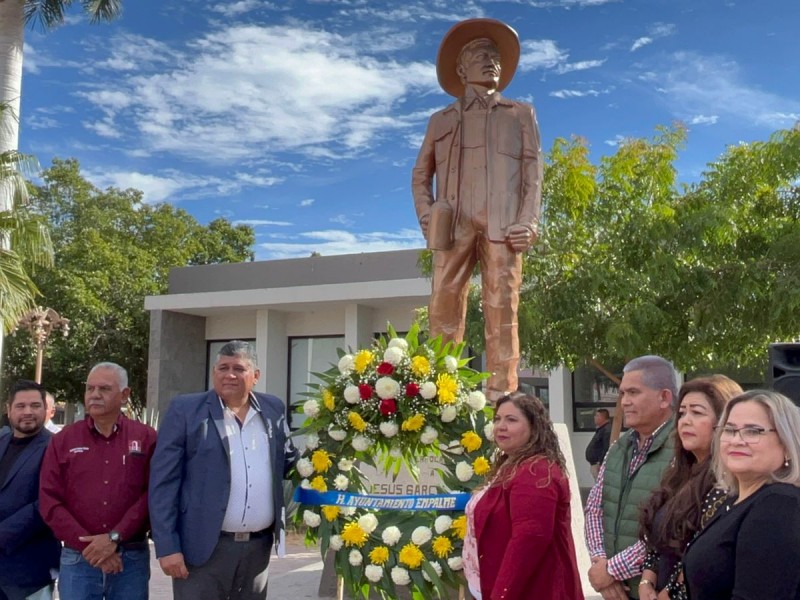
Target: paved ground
pixel 295 577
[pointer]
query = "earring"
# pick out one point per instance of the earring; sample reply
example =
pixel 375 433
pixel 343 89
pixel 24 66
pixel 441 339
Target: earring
pixel 786 462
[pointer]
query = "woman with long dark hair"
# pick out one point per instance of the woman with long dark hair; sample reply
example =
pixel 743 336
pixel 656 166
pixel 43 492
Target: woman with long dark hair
pixel 687 495
pixel 519 523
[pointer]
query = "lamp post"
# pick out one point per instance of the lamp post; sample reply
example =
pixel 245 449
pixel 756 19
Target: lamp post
pixel 40 323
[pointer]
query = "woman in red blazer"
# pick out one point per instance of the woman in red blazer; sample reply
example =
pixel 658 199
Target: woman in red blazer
pixel 522 545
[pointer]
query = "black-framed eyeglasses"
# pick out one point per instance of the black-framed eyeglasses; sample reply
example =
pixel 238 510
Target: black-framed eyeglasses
pixel 750 434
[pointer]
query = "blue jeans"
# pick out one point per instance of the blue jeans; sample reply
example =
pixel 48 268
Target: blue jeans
pixel 78 580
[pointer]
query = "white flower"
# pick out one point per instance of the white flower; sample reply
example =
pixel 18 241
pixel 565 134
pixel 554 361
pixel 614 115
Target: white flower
pixel 393 355
pixel 398 343
pixel 453 447
pixel 464 471
pixel 374 573
pixel 305 468
pixel 351 394
pixel 428 390
pixel 361 443
pixel 346 364
pixel 312 441
pixel 348 511
pixel 395 452
pixel 429 435
pixel 311 519
pixel 340 482
pixel 448 413
pixel 436 567
pixel 442 524
pixel 451 363
pixel 305 484
pixel 368 522
pixel 335 543
pixel 391 535
pixel 389 428
pixel 421 535
pixel 488 431
pixel 337 434
pixel 355 557
pixel 476 400
pixel 311 408
pixel 455 563
pixel 400 576
pixel 387 388
pixel 345 464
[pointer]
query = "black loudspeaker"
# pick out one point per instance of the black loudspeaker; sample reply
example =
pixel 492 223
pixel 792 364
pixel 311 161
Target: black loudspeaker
pixel 784 370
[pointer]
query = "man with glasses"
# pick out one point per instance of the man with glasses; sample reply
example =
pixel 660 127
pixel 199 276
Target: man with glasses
pixel 631 471
pixel 93 494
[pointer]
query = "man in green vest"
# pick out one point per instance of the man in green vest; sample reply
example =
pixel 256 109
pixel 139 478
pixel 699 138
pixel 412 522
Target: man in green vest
pixel 631 471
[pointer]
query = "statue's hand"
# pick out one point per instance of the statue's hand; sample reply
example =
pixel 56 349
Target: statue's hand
pixel 520 237
pixel 423 223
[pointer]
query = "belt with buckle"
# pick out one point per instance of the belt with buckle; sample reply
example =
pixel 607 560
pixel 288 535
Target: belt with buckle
pixel 246 536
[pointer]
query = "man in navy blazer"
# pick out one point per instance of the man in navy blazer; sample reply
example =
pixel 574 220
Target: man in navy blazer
pixel 28 549
pixel 216 491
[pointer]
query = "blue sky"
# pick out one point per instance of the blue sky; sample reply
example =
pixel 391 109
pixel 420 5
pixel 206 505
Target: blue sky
pixel 303 118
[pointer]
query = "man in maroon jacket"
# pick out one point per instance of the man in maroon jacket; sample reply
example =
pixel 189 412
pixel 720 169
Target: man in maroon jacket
pixel 93 494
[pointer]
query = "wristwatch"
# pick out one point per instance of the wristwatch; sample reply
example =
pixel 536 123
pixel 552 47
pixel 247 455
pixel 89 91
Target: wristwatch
pixel 114 536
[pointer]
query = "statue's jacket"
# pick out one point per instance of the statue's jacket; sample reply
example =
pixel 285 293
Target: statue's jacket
pixel 513 164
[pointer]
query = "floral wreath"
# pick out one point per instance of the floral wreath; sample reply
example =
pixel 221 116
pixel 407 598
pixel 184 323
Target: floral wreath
pixel 390 406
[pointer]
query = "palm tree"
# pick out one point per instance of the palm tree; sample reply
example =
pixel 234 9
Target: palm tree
pixel 14 15
pixel 24 237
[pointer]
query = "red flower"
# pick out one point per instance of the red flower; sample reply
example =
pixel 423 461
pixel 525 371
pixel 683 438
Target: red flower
pixel 412 389
pixel 365 391
pixel 388 407
pixel 385 368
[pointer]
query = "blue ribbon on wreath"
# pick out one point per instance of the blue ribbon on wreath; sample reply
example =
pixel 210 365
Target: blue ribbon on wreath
pixel 377 502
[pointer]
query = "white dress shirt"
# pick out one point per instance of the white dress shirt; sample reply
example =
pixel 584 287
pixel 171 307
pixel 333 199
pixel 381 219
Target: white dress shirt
pixel 250 505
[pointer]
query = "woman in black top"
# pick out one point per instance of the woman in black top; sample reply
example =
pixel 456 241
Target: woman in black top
pixel 750 550
pixel 676 510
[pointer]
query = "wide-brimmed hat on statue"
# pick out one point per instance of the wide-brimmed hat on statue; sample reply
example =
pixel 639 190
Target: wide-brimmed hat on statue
pixel 461 34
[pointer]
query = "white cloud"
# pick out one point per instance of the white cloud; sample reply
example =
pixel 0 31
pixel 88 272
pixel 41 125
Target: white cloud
pixel 234 9
pixel 285 89
pixel 577 93
pixel 38 121
pixel 704 120
pixel 698 84
pixel 579 66
pixel 655 32
pixel 330 242
pixel 342 220
pixel 306 202
pixel 540 54
pixel 616 140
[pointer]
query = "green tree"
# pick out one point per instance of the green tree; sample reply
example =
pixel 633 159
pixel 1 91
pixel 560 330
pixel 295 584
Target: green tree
pixel 112 251
pixel 631 263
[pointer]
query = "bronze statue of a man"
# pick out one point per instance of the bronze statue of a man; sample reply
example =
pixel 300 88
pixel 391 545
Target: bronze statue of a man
pixel 484 152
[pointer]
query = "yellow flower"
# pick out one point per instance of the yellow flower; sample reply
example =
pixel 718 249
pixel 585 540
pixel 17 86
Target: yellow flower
pixel 471 441
pixel 353 535
pixel 362 361
pixel 330 512
pixel 328 400
pixel 356 421
pixel 481 466
pixel 460 526
pixel 318 483
pixel 442 546
pixel 411 555
pixel 420 366
pixel 414 423
pixel 447 387
pixel 379 555
pixel 321 461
